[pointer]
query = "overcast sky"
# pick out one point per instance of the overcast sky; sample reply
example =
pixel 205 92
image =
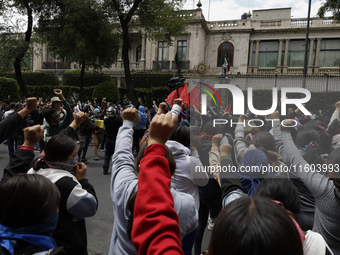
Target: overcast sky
pixel 233 9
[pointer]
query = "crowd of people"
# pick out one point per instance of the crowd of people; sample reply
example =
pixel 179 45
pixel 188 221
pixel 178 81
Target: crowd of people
pixel 167 183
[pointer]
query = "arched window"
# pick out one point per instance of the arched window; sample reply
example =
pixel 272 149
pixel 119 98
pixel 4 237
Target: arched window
pixel 228 50
pixel 138 53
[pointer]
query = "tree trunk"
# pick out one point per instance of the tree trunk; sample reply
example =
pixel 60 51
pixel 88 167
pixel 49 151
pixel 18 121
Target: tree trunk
pixel 19 57
pixel 125 54
pixel 82 72
pixel 18 77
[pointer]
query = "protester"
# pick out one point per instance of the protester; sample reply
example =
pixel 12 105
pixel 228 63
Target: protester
pixel 59 163
pixel 324 188
pixel 254 226
pixel 112 124
pixel 124 189
pixel 56 123
pixel 186 177
pixel 97 133
pixel 163 195
pixel 56 105
pixel 28 215
pixel 85 132
pixel 144 119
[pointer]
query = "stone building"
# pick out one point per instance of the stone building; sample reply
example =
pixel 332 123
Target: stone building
pixel 264 42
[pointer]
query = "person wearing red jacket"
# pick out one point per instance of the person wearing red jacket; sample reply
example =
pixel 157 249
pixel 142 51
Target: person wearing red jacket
pixel 148 235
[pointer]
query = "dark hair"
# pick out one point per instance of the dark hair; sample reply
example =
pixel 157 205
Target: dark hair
pixel 27 199
pixel 131 201
pixel 47 113
pixel 313 156
pixel 265 142
pixel 181 134
pixel 334 127
pixel 325 137
pixel 12 105
pixel 168 155
pixel 18 105
pixel 280 189
pixel 254 226
pixel 211 130
pixel 305 136
pixel 334 159
pixel 58 148
pixel 264 139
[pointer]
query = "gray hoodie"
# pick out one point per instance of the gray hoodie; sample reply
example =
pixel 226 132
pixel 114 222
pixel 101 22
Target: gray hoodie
pixel 124 182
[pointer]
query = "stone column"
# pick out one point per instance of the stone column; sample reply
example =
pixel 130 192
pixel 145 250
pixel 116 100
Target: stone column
pixel 119 61
pixel 44 56
pixel 256 66
pixel 279 57
pixel 317 56
pixel 310 58
pixel 285 60
pixel 119 82
pixel 250 65
pixel 142 56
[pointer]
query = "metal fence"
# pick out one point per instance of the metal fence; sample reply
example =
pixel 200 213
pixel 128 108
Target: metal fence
pixel 315 84
pixel 320 83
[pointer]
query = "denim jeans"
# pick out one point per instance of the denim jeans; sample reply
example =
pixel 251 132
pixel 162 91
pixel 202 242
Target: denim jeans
pixel 109 150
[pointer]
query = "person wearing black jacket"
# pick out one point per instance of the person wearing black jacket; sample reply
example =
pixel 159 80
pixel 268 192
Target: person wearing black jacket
pixel 85 135
pixel 112 125
pixel 6 125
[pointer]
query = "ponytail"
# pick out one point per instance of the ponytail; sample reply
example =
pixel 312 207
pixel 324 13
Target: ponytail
pixel 38 164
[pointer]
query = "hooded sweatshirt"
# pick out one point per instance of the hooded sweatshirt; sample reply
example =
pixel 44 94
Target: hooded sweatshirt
pixel 143 116
pixel 186 177
pixel 78 200
pixel 124 182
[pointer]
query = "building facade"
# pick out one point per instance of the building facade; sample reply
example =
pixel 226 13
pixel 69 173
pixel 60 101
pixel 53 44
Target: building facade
pixel 264 42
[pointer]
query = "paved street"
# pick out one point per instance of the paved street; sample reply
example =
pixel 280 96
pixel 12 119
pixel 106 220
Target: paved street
pixel 99 227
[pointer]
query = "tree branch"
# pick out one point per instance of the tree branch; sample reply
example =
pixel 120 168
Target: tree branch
pixel 132 10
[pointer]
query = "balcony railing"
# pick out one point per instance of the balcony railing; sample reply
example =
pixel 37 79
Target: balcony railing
pixel 294 23
pixel 182 65
pixel 270 23
pixel 329 22
pixel 159 65
pixel 56 65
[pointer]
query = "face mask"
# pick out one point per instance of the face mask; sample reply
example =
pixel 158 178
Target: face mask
pixel 68 165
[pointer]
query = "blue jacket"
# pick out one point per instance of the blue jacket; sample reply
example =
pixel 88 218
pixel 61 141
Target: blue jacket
pixel 144 117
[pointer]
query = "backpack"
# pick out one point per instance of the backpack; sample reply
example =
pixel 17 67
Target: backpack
pixel 99 126
pixel 89 123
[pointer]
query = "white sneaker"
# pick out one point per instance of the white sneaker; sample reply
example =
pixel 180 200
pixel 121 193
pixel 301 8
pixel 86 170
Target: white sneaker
pixel 211 225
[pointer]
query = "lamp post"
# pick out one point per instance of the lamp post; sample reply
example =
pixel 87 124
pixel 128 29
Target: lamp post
pixel 306 47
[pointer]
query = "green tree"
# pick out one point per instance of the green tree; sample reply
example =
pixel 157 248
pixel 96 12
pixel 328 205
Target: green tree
pixel 79 31
pixel 14 44
pixel 159 19
pixel 332 6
